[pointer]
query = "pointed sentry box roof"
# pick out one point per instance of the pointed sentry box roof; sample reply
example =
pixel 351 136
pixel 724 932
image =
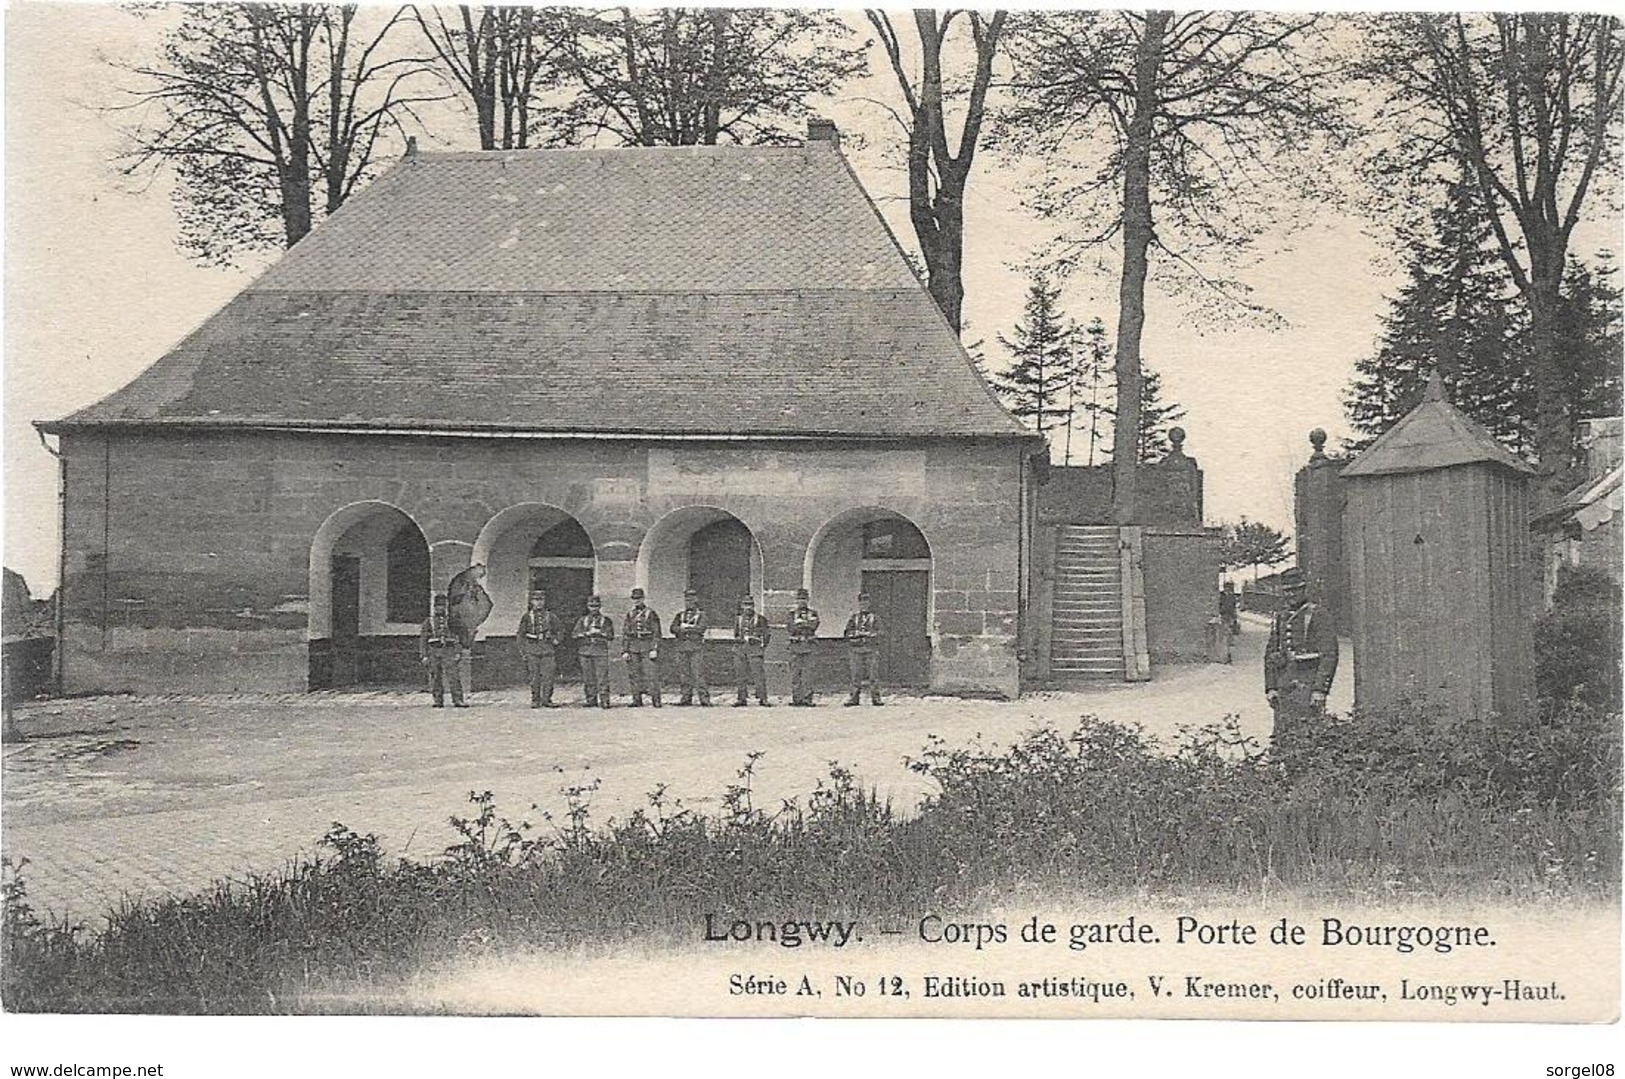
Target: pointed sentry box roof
pixel 1434 434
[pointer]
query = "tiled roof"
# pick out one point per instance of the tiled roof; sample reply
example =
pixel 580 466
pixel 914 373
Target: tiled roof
pixel 1434 434
pixel 649 363
pixel 644 291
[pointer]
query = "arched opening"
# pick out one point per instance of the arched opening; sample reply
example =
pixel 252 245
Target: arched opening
pixel 706 549
pixel 881 552
pixel 369 592
pixel 536 546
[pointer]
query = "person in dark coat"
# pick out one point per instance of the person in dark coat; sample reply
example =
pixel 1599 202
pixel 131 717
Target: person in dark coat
pixel 751 635
pixel 469 605
pixel 863 652
pixel 640 649
pixel 539 634
pixel 1300 660
pixel 593 633
pixel 803 630
pixel 438 651
pixel 1229 606
pixel 688 628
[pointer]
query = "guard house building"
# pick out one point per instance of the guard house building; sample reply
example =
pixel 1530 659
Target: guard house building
pixel 704 367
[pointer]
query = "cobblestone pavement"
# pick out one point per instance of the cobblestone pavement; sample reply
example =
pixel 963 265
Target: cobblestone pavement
pixel 121 796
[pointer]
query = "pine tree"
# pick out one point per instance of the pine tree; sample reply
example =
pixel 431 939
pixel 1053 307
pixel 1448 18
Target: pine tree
pixel 1094 364
pixel 1157 418
pixel 1460 312
pixel 1454 313
pixel 1590 336
pixel 1039 386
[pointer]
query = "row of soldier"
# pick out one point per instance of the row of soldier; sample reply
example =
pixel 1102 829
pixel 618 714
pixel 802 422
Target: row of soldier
pixel 446 648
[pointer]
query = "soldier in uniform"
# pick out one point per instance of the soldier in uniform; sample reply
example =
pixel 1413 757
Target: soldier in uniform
pixel 469 605
pixel 640 648
pixel 751 632
pixel 803 628
pixel 863 652
pixel 539 634
pixel 1300 660
pixel 592 634
pixel 438 650
pixel 689 629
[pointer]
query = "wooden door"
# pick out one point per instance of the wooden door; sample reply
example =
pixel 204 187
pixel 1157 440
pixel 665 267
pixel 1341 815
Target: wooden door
pixel 901 599
pixel 346 577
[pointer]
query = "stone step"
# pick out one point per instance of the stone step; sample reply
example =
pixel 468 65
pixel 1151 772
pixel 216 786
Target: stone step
pixel 1086 655
pixel 1088 674
pixel 1088 634
pixel 1083 593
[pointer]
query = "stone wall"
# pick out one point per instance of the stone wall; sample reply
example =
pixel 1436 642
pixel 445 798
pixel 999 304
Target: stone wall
pixel 1318 504
pixel 188 556
pixel 1181 591
pixel 1169 493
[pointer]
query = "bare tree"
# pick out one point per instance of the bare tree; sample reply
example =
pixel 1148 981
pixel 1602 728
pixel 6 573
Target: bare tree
pixel 937 171
pixel 498 57
pixel 257 107
pixel 1529 105
pixel 698 76
pixel 1185 123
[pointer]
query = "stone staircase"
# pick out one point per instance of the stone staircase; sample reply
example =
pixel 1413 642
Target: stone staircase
pixel 1086 634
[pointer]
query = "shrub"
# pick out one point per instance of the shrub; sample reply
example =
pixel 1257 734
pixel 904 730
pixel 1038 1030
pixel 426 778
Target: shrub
pixel 1578 642
pixel 1370 806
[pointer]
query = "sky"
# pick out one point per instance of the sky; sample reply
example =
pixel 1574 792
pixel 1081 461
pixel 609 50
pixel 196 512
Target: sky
pixel 96 290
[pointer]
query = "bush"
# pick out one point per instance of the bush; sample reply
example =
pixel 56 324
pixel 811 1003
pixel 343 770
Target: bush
pixel 1369 807
pixel 1578 643
pixel 1570 757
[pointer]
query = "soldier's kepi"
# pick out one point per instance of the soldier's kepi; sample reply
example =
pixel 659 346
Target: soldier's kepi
pixel 1300 659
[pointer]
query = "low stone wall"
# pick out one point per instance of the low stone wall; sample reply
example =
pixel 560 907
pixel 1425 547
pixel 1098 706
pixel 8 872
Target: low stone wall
pixel 1181 569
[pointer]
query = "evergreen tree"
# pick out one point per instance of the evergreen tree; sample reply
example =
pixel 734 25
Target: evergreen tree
pixel 1157 418
pixel 1039 385
pixel 1460 312
pixel 1453 313
pixel 1095 362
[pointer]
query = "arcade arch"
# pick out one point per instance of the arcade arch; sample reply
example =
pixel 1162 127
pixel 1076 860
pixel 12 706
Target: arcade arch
pixel 706 549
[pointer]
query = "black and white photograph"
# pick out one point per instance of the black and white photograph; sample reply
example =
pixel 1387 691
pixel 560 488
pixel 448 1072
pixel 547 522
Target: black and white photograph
pixel 772 512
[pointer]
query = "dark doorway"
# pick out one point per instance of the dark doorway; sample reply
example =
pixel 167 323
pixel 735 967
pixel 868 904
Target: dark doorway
pixel 561 564
pixel 346 577
pixel 901 598
pixel 719 567
pixel 567 590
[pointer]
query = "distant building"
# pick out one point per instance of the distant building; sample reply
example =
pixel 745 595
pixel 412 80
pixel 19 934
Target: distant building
pixel 1584 527
pixel 705 366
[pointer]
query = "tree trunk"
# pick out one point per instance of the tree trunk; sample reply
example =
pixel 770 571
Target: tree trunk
pixel 1554 439
pixel 1137 236
pixel 944 251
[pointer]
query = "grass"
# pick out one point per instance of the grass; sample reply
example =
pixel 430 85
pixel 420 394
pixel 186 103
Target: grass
pixel 1396 807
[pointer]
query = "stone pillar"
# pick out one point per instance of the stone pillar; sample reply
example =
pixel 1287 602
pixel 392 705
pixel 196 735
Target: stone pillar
pixel 1318 512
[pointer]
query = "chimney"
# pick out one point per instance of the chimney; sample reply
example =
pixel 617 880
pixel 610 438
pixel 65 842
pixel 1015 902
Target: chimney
pixel 411 146
pixel 821 130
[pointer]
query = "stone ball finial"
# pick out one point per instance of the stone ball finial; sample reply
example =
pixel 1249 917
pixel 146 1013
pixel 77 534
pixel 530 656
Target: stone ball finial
pixel 1176 436
pixel 1317 439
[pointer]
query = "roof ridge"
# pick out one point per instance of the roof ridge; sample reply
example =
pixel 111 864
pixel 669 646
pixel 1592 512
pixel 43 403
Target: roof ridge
pixel 584 151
